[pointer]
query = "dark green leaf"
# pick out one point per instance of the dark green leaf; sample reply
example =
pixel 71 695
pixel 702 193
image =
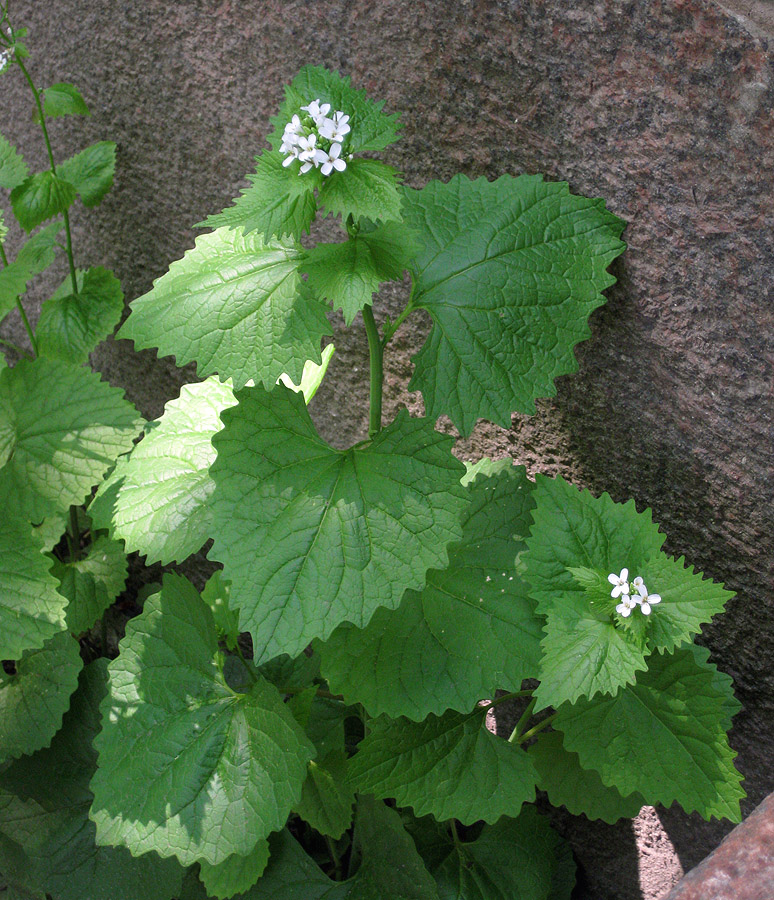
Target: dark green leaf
pixel 311 536
pixel 63 99
pixel 472 629
pixel 509 272
pixel 235 874
pixel 35 255
pixel 40 197
pixel 326 799
pixel 91 172
pixel 71 325
pixel 450 766
pixel 34 699
pixel 664 737
pixel 13 169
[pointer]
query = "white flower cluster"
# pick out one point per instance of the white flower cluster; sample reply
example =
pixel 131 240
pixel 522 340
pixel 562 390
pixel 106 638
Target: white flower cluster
pixel 316 139
pixel 5 57
pixel 629 600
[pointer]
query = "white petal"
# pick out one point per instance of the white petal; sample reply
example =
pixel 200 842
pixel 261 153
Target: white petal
pixel 335 151
pixel 653 599
pixel 645 607
pixel 305 168
pixel 327 168
pixel 613 578
pixel 623 610
pixel 617 591
pixel 624 575
pixel 287 161
pixel 339 165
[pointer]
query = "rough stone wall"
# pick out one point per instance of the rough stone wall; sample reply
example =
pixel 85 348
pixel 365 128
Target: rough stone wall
pixel 663 108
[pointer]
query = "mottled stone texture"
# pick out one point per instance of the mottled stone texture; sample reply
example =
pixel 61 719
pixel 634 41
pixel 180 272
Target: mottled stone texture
pixel 742 868
pixel 663 108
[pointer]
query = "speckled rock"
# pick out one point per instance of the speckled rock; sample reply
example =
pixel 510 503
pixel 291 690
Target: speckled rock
pixel 663 108
pixel 742 868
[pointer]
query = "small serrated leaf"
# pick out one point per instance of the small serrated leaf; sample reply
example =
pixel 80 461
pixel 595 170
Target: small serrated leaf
pixel 13 169
pixel 311 536
pixel 64 99
pixel 236 874
pixel 509 272
pixel 34 257
pixel 34 699
pixel 349 273
pixel 235 305
pixel 39 197
pixel 91 172
pixel 449 766
pixel 277 203
pixel 664 737
pixel 367 188
pixel 72 324
pixel 222 770
pixel 91 584
pixel 215 594
pixel 326 798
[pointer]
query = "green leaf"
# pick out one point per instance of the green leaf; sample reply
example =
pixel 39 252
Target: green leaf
pixel 236 874
pixel 290 674
pixel 664 737
pixel 277 203
pixel 157 498
pixel 91 584
pixel 371 128
pixel 311 536
pixel 39 197
pixel 71 325
pixel 516 859
pixel 390 867
pixel 34 699
pixel 312 376
pixel 44 805
pixel 61 429
pixel 215 594
pixel 579 790
pixel 472 629
pixel 348 274
pixel 510 272
pixel 35 256
pixel 63 99
pixel 13 169
pixel 449 766
pixel 31 609
pixel 587 647
pixel 326 800
pixel 367 189
pixel 91 172
pixel 221 770
pixel 236 306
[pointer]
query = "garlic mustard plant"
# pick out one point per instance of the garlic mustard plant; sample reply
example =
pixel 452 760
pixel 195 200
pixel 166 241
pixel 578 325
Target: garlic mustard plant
pixel 313 721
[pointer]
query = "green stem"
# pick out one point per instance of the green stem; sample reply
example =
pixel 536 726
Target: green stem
pixel 335 857
pixel 539 727
pixel 15 347
pixel 377 372
pixel 248 666
pixel 455 834
pixel 499 700
pixel 390 329
pixel 28 327
pixel 65 216
pixel 524 716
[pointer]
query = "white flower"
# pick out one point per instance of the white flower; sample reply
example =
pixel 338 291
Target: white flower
pixel 316 111
pixel 331 160
pixel 620 583
pixel 626 606
pixel 5 57
pixel 646 600
pixel 336 128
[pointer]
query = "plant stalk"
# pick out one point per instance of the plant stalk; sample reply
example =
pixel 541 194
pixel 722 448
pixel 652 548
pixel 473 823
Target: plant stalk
pixel 375 351
pixel 514 738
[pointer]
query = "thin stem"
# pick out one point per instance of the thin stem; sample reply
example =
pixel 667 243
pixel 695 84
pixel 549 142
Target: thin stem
pixel 377 372
pixel 28 327
pixel 524 716
pixel 455 834
pixel 390 329
pixel 65 216
pixel 539 727
pixel 245 663
pixel 499 700
pixel 335 857
pixel 16 348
